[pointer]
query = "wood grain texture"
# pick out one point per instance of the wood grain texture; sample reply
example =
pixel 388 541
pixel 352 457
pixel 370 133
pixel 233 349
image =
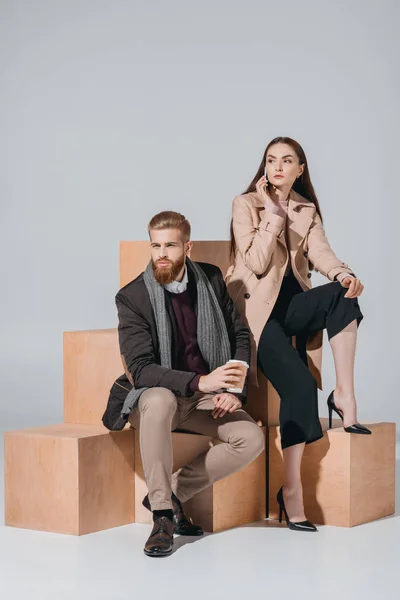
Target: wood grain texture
pixel 69 478
pixel 92 362
pixel 41 482
pixel 372 474
pixel 338 473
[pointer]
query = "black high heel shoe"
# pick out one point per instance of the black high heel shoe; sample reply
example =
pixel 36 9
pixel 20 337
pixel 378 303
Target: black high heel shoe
pixel 355 428
pixel 301 525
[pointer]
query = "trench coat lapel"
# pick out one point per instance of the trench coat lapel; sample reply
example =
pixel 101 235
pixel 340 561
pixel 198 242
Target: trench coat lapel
pixel 300 214
pixel 300 217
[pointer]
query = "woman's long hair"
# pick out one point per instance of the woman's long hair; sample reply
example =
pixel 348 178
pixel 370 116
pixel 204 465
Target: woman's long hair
pixel 302 185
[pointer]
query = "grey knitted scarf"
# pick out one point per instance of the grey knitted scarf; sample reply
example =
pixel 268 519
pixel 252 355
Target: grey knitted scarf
pixel 212 334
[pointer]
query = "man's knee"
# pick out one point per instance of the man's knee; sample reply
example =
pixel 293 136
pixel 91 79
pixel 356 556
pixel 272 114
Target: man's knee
pixel 157 402
pixel 250 440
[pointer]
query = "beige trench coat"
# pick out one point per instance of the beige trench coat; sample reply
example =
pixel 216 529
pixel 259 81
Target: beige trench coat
pixel 262 254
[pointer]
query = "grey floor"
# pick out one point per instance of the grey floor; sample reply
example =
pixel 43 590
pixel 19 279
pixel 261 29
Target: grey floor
pixel 261 560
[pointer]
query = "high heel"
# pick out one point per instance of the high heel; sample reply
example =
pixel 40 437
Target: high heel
pixel 301 525
pixel 355 428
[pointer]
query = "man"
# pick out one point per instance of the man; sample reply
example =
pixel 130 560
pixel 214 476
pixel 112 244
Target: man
pixel 177 329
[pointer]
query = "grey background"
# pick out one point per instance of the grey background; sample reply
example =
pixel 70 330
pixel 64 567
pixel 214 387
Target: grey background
pixel 114 110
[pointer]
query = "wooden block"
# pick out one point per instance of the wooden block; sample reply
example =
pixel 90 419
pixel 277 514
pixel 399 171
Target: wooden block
pixel 233 501
pixel 263 401
pixel 135 256
pixel 69 478
pixel 92 362
pixel 347 479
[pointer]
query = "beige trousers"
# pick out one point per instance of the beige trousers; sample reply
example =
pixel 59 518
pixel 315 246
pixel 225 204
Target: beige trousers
pixel 159 412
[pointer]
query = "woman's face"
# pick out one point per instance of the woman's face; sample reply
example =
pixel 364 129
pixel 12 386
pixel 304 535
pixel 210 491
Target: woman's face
pixel 283 166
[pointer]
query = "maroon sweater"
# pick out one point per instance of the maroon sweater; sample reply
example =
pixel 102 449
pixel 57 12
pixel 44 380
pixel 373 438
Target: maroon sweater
pixel 188 351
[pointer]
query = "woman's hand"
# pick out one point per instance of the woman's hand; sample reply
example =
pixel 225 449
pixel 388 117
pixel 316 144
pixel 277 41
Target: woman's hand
pixel 355 286
pixel 262 189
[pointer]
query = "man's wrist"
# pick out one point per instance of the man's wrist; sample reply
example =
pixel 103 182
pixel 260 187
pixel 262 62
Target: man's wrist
pixel 237 396
pixel 200 382
pixel 194 384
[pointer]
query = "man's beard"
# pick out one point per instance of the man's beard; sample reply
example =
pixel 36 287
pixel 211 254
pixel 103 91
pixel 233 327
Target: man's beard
pixel 165 275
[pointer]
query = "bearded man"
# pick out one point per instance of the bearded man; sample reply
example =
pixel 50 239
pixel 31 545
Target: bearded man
pixel 178 328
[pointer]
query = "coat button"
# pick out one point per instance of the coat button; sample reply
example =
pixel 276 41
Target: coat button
pixel 308 275
pixel 306 254
pixel 247 295
pixel 258 276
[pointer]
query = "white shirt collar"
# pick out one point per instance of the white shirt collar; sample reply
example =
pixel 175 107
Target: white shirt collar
pixel 177 287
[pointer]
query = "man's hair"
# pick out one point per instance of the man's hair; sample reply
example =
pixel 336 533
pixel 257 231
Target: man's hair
pixel 168 219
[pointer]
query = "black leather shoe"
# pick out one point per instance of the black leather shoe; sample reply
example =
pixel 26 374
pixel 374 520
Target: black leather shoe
pixel 296 526
pixel 355 428
pixel 182 524
pixel 161 538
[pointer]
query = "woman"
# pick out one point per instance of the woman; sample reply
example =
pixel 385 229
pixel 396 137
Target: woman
pixel 277 238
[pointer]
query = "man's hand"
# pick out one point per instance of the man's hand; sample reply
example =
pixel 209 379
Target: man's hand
pixel 355 286
pixel 224 403
pixel 227 376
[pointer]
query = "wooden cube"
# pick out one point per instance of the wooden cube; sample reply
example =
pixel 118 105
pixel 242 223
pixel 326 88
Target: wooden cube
pixel 92 363
pixel 348 479
pixel 235 500
pixel 69 478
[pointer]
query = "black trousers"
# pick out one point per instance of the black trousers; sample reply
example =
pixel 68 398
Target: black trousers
pixel 301 314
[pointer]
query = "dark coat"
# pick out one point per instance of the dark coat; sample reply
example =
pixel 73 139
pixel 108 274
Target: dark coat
pixel 139 344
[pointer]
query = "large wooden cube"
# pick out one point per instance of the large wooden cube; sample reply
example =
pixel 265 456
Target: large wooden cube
pixel 348 479
pixel 92 362
pixel 236 500
pixel 69 478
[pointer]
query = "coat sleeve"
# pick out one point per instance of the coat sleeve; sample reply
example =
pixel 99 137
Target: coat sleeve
pixel 321 254
pixel 139 356
pixel 237 331
pixel 255 244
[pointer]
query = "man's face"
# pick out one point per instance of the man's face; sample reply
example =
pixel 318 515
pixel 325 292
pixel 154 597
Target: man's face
pixel 168 254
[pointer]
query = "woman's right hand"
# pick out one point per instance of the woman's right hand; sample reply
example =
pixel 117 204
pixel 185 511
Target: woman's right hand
pixel 262 189
pixel 270 205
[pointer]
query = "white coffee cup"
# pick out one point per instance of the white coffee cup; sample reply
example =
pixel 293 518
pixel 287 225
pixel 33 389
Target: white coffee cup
pixel 238 390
